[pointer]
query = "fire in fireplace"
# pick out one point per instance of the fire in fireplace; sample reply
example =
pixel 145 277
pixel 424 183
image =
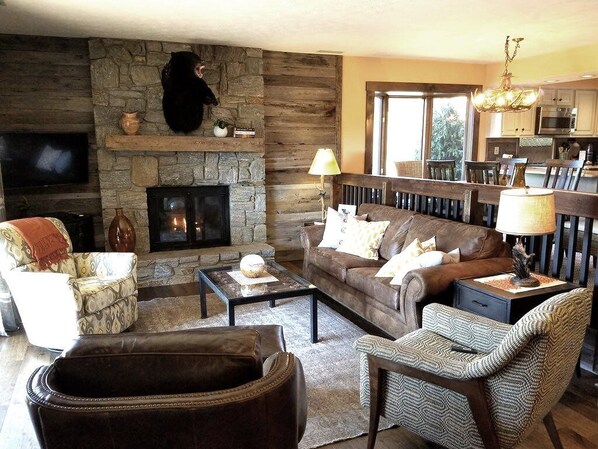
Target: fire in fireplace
pixel 188 217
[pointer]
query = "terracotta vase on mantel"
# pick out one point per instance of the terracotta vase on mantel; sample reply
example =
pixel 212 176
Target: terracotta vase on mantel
pixel 121 233
pixel 129 122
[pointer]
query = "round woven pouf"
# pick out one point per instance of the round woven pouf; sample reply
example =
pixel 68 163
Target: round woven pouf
pixel 252 266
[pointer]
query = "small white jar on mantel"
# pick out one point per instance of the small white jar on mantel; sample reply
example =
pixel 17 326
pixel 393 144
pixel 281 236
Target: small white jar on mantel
pixel 220 128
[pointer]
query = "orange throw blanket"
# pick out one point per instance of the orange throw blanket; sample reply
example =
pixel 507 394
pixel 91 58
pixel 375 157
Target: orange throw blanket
pixel 47 245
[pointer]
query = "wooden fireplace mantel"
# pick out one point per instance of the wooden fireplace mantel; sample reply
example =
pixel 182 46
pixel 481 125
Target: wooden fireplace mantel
pixel 154 143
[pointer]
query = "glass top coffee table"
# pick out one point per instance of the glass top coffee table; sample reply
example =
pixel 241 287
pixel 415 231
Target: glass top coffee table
pixel 288 285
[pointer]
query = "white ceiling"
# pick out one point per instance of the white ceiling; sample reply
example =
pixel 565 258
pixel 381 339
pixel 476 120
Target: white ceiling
pixel 460 30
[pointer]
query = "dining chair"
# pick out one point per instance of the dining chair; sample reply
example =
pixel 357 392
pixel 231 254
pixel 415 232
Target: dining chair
pixel 563 174
pixel 443 170
pixel 482 172
pixel 506 175
pixel 409 169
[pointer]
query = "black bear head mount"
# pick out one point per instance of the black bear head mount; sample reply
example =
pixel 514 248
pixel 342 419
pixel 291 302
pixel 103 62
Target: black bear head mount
pixel 185 92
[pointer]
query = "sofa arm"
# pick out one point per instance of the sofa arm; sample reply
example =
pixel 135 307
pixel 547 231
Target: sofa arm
pixel 465 328
pixel 423 282
pixel 311 236
pixel 106 264
pixel 421 286
pixel 45 301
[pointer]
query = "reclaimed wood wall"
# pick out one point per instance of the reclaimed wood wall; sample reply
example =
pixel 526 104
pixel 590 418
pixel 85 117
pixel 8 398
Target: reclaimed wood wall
pixel 302 114
pixel 45 86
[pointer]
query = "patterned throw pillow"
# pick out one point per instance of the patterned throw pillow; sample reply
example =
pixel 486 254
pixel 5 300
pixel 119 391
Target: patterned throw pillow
pixel 390 268
pixel 429 245
pixel 427 259
pixel 336 226
pixel 363 238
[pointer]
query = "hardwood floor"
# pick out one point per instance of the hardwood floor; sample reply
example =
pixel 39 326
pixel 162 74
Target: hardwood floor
pixel 576 415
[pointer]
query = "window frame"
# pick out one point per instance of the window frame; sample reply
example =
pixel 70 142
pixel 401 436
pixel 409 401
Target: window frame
pixel 429 91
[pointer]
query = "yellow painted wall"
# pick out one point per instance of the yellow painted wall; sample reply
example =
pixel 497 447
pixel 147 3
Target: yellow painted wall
pixel 565 66
pixel 358 70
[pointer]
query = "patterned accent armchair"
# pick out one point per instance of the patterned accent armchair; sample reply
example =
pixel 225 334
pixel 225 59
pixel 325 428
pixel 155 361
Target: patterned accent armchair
pixel 88 293
pixel 488 399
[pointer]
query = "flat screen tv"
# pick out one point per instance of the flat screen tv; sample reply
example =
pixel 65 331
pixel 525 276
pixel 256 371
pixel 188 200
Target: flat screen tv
pixel 43 159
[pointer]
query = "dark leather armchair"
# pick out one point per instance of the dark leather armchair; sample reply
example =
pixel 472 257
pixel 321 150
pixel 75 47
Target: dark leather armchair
pixel 200 388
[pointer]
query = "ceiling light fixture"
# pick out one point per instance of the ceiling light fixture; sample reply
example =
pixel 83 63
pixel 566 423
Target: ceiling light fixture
pixel 587 76
pixel 505 98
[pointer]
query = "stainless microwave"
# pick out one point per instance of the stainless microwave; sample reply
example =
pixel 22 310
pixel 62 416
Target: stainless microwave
pixel 555 120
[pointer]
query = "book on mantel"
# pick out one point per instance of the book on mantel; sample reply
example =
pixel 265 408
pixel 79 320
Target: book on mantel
pixel 244 132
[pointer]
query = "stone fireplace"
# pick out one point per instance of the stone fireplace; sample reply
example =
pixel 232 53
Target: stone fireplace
pixel 188 217
pixel 127 177
pixel 126 77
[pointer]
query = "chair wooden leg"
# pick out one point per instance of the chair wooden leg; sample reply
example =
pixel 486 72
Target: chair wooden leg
pixel 375 373
pixel 481 414
pixel 552 432
pixel 578 367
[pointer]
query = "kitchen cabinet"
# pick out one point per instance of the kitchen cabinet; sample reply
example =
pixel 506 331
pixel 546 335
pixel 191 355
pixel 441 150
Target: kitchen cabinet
pixel 585 102
pixel 556 97
pixel 518 123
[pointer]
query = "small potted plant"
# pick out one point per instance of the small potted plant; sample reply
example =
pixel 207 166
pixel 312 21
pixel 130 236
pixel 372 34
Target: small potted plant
pixel 220 127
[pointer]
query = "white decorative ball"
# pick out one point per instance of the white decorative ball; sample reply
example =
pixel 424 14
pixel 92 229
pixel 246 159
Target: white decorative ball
pixel 252 266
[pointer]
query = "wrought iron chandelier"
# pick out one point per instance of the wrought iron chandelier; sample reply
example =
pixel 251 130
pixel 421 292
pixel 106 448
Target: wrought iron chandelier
pixel 505 98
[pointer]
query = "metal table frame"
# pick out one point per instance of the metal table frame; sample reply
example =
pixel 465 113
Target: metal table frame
pixel 308 289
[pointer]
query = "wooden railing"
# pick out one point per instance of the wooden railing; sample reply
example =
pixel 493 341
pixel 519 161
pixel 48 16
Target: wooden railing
pixel 478 204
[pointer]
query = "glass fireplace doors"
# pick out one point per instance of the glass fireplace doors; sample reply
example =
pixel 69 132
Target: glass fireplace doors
pixel 188 217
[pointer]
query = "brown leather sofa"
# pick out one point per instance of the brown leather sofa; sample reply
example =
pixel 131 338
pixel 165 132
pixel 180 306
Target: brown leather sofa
pixel 200 388
pixel 351 280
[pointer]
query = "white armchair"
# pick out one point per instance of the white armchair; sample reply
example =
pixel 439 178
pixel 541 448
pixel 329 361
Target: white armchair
pixel 88 293
pixel 491 398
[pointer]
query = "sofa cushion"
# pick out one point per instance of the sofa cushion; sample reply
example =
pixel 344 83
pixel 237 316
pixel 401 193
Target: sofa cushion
pixel 336 263
pixel 474 242
pixel 363 238
pixel 365 280
pixel 425 260
pixel 394 237
pixel 406 257
pixel 98 293
pixel 335 228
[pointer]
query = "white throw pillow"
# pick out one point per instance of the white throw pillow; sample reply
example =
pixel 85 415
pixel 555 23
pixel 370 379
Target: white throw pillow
pixel 434 258
pixel 336 225
pixel 405 257
pixel 363 238
pixel 427 259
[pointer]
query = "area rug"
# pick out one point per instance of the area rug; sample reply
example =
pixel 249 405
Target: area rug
pixel 331 365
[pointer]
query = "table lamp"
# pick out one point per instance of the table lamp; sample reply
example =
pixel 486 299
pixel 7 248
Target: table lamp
pixel 324 163
pixel 525 212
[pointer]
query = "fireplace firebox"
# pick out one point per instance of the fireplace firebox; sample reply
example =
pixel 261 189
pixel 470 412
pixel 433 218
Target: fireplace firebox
pixel 188 217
